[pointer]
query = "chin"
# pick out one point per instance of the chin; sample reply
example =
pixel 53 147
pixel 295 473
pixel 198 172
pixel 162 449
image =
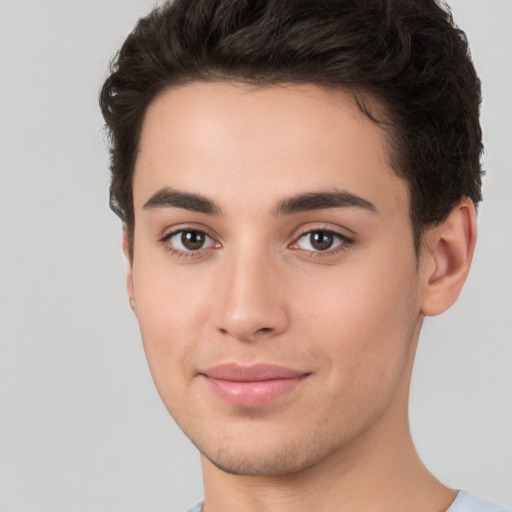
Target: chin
pixel 284 462
pixel 259 457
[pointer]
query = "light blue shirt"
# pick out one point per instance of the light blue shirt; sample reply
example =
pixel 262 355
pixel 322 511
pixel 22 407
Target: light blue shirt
pixel 464 502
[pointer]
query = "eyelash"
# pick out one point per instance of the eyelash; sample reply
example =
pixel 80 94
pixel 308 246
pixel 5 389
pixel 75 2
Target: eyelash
pixel 344 243
pixel 165 241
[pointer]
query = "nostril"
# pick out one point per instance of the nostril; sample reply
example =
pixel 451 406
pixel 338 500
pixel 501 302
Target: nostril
pixel 250 317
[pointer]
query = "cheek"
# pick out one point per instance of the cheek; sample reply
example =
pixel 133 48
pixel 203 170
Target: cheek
pixel 170 298
pixel 364 321
pixel 171 316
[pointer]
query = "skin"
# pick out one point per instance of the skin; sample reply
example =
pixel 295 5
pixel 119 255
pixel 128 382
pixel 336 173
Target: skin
pixel 259 291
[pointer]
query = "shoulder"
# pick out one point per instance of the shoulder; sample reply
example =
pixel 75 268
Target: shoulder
pixel 467 502
pixel 196 507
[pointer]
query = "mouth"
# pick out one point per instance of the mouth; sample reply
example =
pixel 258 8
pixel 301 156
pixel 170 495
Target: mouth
pixel 252 386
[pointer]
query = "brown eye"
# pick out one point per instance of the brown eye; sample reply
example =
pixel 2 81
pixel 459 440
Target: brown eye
pixel 321 240
pixel 188 240
pixel 192 240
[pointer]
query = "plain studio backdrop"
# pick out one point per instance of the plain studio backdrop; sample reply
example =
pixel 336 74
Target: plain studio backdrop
pixel 82 427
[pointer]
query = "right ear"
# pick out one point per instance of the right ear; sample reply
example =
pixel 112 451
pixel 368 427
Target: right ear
pixel 129 277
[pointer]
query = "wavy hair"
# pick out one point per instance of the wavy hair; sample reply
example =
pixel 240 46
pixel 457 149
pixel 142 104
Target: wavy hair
pixel 407 57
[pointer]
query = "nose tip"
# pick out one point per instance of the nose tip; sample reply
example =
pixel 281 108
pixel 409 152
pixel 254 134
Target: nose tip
pixel 252 306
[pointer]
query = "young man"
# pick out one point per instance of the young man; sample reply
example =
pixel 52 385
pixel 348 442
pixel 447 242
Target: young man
pixel 297 182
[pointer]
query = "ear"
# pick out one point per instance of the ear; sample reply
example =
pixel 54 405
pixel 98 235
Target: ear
pixel 129 278
pixel 446 258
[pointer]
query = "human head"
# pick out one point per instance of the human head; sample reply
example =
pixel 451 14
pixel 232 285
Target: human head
pixel 404 61
pixel 272 231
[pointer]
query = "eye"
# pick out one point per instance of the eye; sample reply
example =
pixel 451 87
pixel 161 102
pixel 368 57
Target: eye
pixel 320 240
pixel 188 240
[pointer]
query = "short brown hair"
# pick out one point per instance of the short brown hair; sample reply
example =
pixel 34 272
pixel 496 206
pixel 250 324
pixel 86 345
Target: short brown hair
pixel 406 54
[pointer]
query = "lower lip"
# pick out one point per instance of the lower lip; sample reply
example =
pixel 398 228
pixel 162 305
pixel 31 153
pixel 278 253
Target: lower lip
pixel 254 393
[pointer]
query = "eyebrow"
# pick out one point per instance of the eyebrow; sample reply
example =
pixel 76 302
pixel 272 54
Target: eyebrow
pixel 321 200
pixel 169 198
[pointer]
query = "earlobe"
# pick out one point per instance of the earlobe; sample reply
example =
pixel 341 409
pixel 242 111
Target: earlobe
pixel 129 277
pixel 446 258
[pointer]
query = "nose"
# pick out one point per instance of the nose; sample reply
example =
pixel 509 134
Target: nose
pixel 251 303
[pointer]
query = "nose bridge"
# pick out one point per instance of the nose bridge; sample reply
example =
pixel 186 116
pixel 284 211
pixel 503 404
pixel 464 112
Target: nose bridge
pixel 252 305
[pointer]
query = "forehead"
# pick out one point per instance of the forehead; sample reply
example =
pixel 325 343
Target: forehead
pixel 224 138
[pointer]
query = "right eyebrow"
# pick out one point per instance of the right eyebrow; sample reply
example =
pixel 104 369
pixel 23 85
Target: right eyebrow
pixel 170 198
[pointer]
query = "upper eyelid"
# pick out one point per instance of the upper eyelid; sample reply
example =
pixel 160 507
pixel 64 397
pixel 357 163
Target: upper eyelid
pixel 327 226
pixel 323 227
pixel 344 239
pixel 171 231
pixel 174 233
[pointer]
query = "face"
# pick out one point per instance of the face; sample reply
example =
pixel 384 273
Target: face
pixel 274 273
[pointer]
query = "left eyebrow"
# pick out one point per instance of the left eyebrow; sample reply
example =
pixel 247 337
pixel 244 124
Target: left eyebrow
pixel 321 200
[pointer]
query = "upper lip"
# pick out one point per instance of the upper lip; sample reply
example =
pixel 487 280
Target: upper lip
pixel 254 373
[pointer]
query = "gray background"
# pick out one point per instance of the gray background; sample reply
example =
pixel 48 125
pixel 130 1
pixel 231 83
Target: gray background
pixel 82 428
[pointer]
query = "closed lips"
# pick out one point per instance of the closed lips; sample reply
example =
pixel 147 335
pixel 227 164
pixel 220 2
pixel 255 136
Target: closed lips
pixel 252 386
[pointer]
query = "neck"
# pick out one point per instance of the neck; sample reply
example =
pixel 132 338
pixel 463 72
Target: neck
pixel 373 476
